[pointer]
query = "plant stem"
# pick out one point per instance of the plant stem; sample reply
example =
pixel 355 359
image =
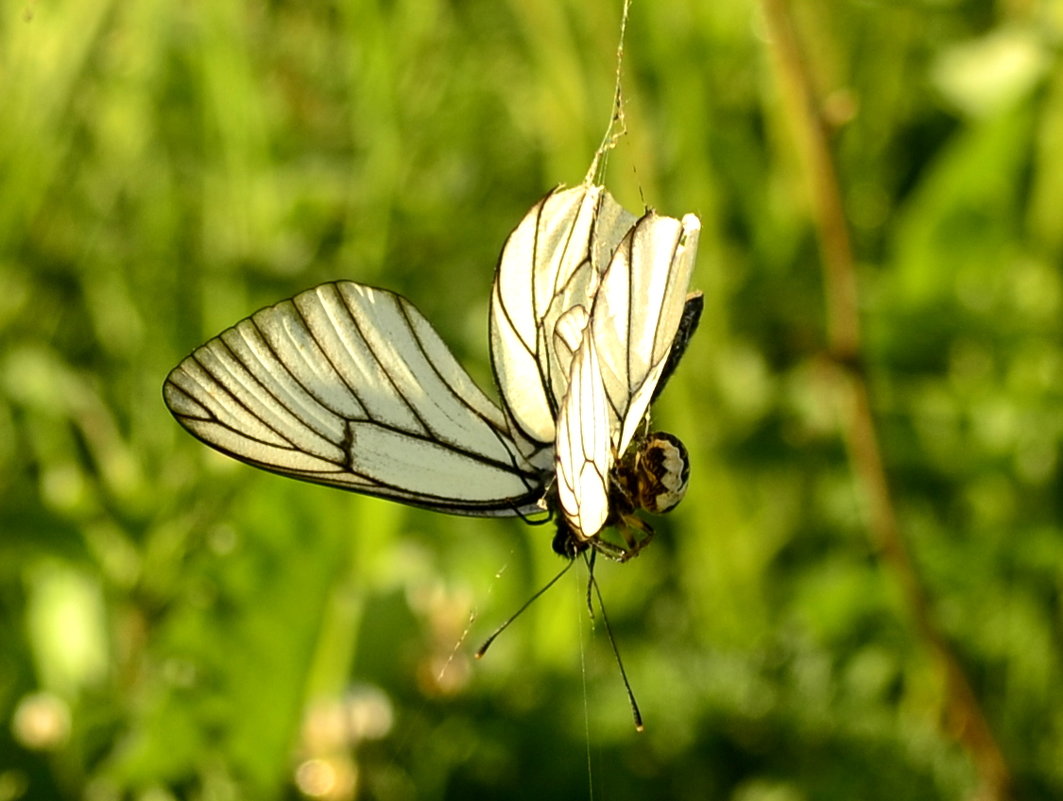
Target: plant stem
pixel 964 719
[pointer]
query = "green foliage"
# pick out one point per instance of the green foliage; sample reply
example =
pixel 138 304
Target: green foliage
pixel 178 626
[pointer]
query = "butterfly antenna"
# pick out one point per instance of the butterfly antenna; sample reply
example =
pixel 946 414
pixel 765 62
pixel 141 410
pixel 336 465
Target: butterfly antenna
pixel 590 583
pixel 593 583
pixel 617 126
pixel 487 644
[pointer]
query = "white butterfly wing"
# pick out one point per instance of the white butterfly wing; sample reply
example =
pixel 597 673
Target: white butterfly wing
pixel 350 386
pixel 637 313
pixel 583 446
pixel 551 262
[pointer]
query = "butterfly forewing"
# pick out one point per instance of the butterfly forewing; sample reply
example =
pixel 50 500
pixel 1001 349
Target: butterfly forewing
pixel 637 314
pixel 551 262
pixel 350 386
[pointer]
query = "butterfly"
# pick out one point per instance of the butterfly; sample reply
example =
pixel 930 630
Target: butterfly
pixel 349 386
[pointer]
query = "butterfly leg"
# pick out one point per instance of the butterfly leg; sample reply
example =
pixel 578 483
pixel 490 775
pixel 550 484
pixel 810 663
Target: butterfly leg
pixel 636 532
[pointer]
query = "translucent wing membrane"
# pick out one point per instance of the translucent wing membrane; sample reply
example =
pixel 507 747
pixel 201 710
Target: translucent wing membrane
pixel 552 262
pixel 637 314
pixel 350 386
pixel 583 447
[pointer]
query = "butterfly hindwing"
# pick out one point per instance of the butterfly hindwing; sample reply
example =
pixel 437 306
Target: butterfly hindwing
pixel 350 386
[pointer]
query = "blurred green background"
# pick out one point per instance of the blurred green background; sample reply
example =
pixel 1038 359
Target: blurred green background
pixel 176 625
